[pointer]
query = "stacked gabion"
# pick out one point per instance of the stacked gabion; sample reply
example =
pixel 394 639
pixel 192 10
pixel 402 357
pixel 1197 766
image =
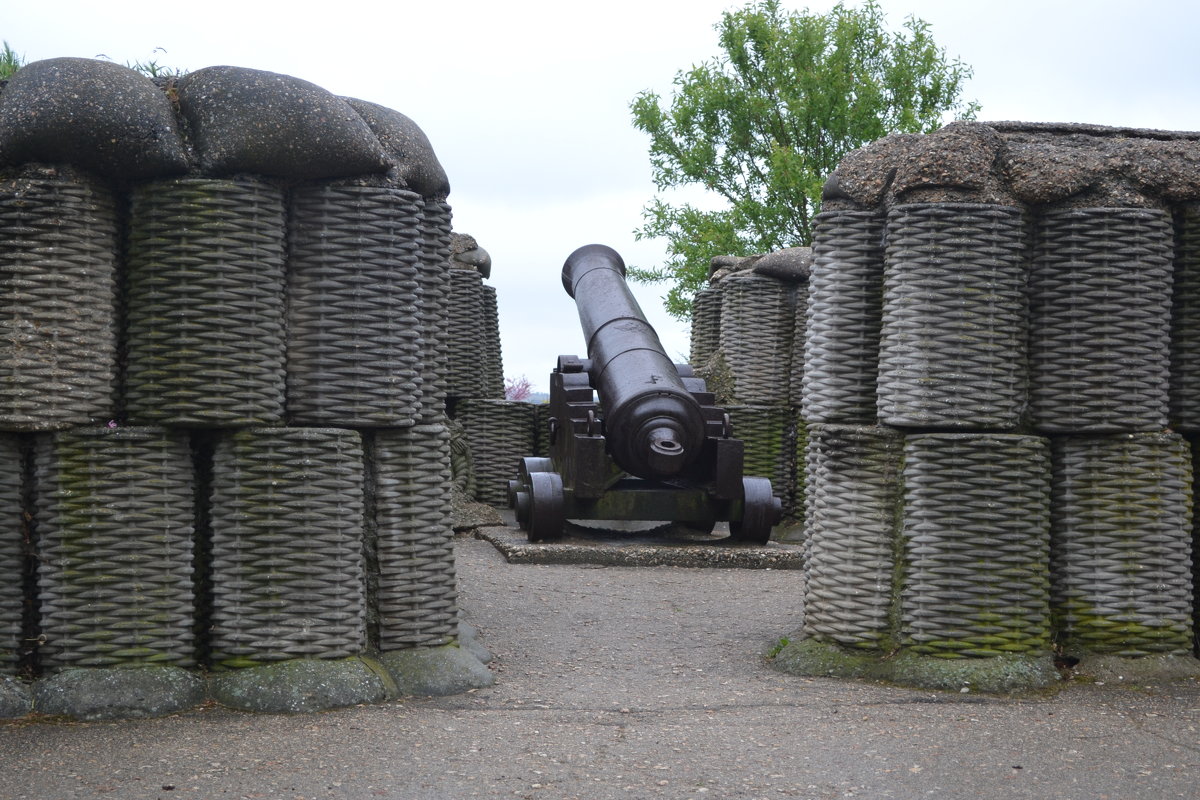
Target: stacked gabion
pixel 205 293
pixel 851 515
pixel 12 555
pixel 195 494
pixel 747 324
pixel 354 330
pixel 1121 570
pixel 1185 323
pixel 958 285
pixel 59 228
pixel 976 544
pixel 497 433
pixel 756 328
pixel 287 553
pixel 416 586
pixel 114 546
pixel 501 432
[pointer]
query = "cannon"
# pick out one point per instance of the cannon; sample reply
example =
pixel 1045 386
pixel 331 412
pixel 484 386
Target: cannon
pixel 633 436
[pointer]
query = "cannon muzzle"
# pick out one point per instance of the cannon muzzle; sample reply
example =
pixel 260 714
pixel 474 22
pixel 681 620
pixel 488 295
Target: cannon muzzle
pixel 654 425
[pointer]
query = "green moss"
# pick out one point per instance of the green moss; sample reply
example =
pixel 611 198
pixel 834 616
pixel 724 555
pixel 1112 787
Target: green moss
pixel 1001 673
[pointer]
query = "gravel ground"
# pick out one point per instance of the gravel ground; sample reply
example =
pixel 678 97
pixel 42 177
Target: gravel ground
pixel 636 682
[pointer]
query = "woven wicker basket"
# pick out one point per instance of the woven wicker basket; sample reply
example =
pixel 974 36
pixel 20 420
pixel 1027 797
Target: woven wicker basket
pixel 205 297
pixel 501 433
pixel 287 546
pixel 416 595
pixel 12 554
pixel 1121 543
pixel 354 307
pixel 952 343
pixel 114 516
pixel 1100 311
pixel 852 477
pixel 58 361
pixel 976 543
pixel 845 296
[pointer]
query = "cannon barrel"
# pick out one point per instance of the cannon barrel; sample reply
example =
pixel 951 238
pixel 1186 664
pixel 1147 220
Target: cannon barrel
pixel 653 425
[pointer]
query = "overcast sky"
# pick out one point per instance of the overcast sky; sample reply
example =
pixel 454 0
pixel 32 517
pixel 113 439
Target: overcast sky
pixel 527 103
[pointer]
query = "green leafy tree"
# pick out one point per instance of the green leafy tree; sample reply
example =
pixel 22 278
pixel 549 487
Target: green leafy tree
pixel 763 124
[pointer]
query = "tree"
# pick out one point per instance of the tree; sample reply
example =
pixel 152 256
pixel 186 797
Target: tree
pixel 518 389
pixel 762 125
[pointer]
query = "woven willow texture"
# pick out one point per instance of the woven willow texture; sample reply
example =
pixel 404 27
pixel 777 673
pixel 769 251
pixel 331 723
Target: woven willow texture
pixel 952 343
pixel 287 546
pixel 1100 311
pixel 799 331
pixel 976 543
pixel 845 297
pixel 416 593
pixel 205 297
pixel 756 337
pixel 114 516
pixel 706 325
pixel 541 415
pixel 768 435
pixel 494 361
pixel 12 554
pixel 354 306
pixel 1121 546
pixel 1185 324
pixel 851 522
pixel 500 433
pixel 436 313
pixel 467 364
pixel 58 361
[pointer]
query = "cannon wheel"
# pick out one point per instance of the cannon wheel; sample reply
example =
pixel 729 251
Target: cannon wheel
pixel 760 511
pixel 521 489
pixel 546 513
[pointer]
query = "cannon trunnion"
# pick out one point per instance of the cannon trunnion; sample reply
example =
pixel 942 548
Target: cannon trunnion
pixel 632 435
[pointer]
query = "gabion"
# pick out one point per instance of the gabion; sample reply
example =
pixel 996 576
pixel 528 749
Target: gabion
pixel 1100 310
pixel 205 289
pixel 114 519
pixel 852 475
pixel 1121 543
pixel 952 343
pixel 287 546
pixel 354 306
pixel 845 297
pixel 58 289
pixel 976 543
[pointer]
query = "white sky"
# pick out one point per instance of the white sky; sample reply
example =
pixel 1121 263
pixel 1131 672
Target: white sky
pixel 527 103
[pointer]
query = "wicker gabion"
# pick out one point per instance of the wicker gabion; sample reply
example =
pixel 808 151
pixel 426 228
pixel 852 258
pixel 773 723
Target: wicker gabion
pixel 114 511
pixel 952 344
pixel 287 546
pixel 12 555
pixel 57 286
pixel 768 435
pixel 354 316
pixel 1121 544
pixel 466 362
pixel 976 543
pixel 851 523
pixel 799 329
pixel 416 593
pixel 757 322
pixel 436 312
pixel 501 433
pixel 494 361
pixel 1100 311
pixel 841 346
pixel 1185 324
pixel 706 325
pixel 205 293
